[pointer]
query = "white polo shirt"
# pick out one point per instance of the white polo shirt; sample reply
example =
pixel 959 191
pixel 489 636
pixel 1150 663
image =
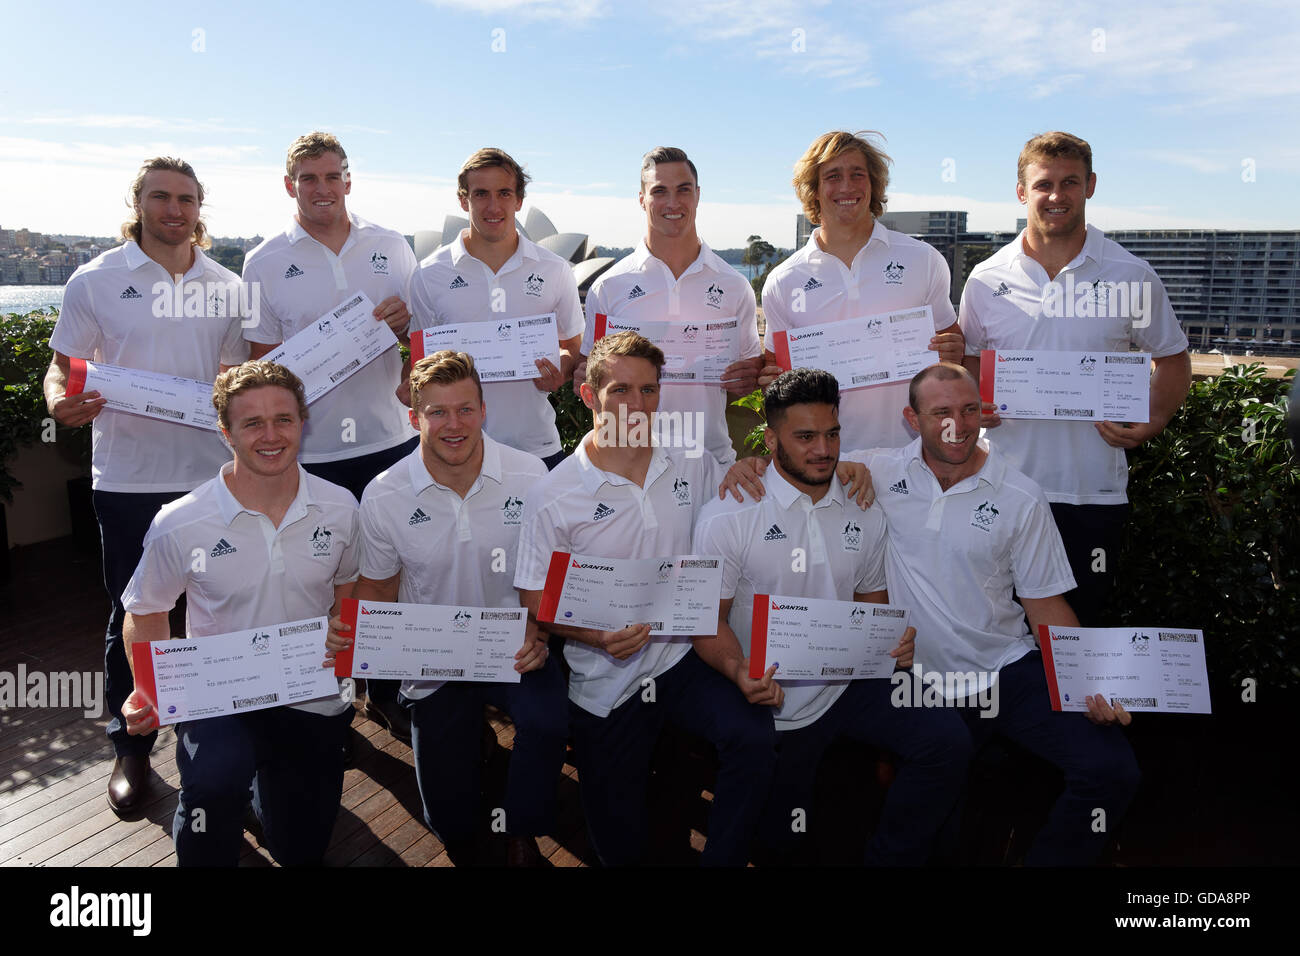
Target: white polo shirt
pixel 300 280
pixel 892 271
pixel 954 556
pixel 844 551
pixel 448 549
pixel 451 287
pixel 640 287
pixel 251 573
pixel 1004 306
pixel 581 509
pixel 120 309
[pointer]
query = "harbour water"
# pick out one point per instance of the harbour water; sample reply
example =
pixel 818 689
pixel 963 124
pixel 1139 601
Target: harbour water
pixel 26 298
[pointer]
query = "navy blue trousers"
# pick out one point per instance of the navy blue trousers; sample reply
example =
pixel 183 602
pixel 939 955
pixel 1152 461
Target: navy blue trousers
pixel 935 748
pixel 1100 770
pixel 445 734
pixel 613 757
pixel 294 761
pixel 124 519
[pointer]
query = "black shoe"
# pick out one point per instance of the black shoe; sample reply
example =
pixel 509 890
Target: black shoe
pixel 391 715
pixel 128 783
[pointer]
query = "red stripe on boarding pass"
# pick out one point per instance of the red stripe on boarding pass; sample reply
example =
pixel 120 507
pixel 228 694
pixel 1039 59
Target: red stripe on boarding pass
pixel 602 325
pixel 417 346
pixel 782 342
pixel 343 659
pixel 142 656
pixel 988 373
pixel 555 576
pixel 758 634
pixel 1049 665
pixel 76 377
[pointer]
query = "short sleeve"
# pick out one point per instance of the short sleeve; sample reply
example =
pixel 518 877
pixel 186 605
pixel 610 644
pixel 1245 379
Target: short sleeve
pixel 1039 566
pixel 159 578
pixel 874 543
pixel 1163 335
pixel 349 559
pixel 972 326
pixel 568 311
pixel 716 534
pixel 750 346
pixel 76 332
pixel 264 325
pixel 379 558
pixel 940 292
pixel 774 314
pixel 538 538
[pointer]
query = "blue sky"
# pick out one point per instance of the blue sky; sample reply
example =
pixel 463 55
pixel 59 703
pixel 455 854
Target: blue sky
pixel 1182 105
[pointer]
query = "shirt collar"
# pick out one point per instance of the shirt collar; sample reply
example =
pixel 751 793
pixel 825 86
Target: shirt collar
pixel 992 472
pixel 593 477
pixel 527 250
pixel 296 233
pixel 421 480
pixel 707 259
pixel 137 258
pixel 229 507
pixel 787 495
pixel 878 234
pixel 1092 247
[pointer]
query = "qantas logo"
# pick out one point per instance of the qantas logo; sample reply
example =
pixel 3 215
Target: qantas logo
pixel 591 567
pixel 160 651
pixel 788 607
pixel 381 611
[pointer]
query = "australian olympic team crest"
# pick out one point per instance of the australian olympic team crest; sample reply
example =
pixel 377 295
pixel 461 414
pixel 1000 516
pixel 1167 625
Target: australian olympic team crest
pixel 460 621
pixel 320 540
pixel 378 263
pixel 691 332
pixel 512 510
pixel 261 643
pixel 682 491
pixel 534 284
pixel 857 614
pixel 713 295
pixel 852 535
pixel 894 273
pixel 665 570
pixel 504 330
pixel 984 516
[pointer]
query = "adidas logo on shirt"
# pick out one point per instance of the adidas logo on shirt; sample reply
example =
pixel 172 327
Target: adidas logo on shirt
pixel 774 533
pixel 602 511
pixel 419 517
pixel 223 547
pixel 811 284
pixel 636 292
pixel 293 271
pixel 130 293
pixel 458 283
pixel 899 487
pixel 1002 290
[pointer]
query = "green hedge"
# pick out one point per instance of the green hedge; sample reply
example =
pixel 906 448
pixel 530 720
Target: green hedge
pixel 1214 538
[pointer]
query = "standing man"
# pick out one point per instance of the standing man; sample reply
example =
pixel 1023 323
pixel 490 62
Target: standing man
pixel 442 527
pixel 620 497
pixel 285 549
pixel 359 428
pixel 806 512
pixel 491 273
pixel 120 310
pixel 1011 302
pixel 852 267
pixel 673 275
pixel 966 529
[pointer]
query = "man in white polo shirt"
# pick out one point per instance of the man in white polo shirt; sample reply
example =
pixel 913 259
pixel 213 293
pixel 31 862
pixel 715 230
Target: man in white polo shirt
pixel 806 538
pixel 491 273
pixel 121 309
pixel 273 544
pixel 442 527
pixel 1062 285
pixel 358 428
pixel 673 275
pixel 618 497
pixel 852 267
pixel 965 530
